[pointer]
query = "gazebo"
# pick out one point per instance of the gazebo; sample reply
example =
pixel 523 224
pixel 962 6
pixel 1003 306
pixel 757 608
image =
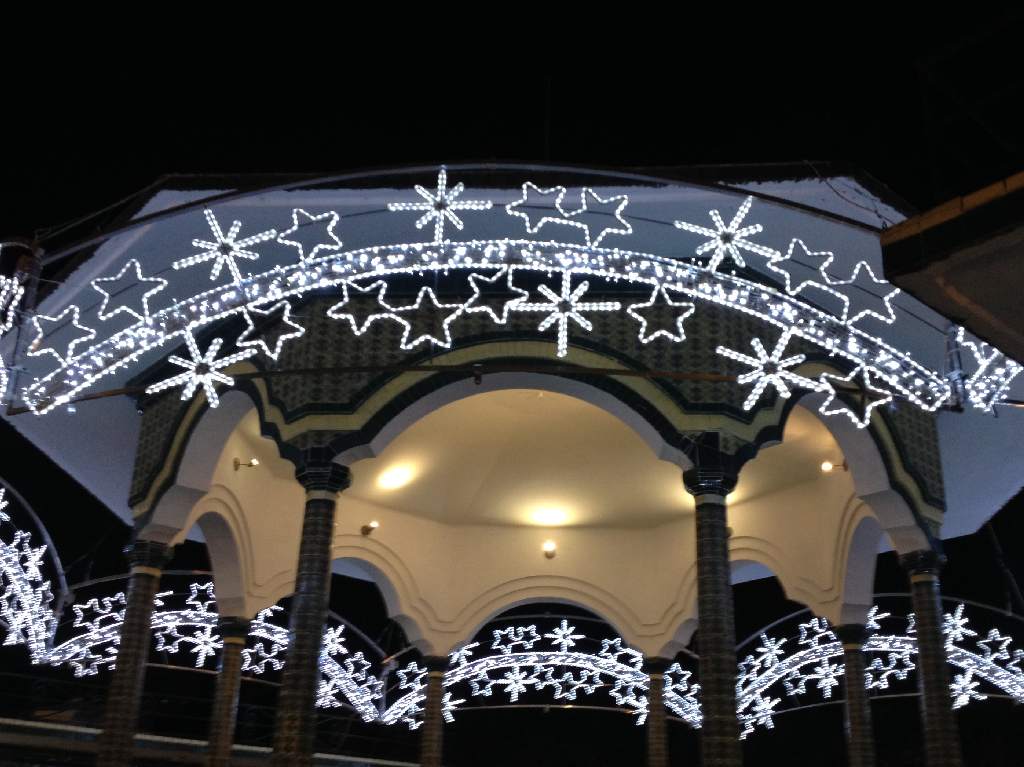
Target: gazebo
pixel 481 387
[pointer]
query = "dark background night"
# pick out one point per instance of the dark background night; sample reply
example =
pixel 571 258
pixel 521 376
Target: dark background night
pixel 930 111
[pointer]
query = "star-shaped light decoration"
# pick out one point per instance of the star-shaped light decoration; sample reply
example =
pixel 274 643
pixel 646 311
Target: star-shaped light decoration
pixel 796 261
pixel 275 326
pixel 225 248
pixel 361 317
pixel 564 306
pixel 64 325
pixel 661 316
pixel 307 229
pixel 563 637
pixel 768 369
pixel 729 240
pixel 871 395
pixel 495 295
pixel 428 320
pixel 1002 643
pixel 440 206
pixel 861 296
pixel 555 197
pixel 202 370
pixel 127 292
pixel 201 596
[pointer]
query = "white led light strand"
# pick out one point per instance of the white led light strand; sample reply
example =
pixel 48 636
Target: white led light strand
pixel 440 206
pixel 11 292
pixel 992 373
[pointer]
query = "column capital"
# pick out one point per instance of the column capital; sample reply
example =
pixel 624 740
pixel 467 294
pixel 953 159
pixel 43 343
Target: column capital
pixel 436 663
pixel 326 477
pixel 232 627
pixel 148 554
pixel 851 635
pixel 927 562
pixel 656 665
pixel 710 480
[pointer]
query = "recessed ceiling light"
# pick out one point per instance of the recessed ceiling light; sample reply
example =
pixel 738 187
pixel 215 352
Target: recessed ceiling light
pixel 550 516
pixel 396 476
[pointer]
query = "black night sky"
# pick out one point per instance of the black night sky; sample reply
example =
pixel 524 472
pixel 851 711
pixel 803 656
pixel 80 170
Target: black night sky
pixel 929 109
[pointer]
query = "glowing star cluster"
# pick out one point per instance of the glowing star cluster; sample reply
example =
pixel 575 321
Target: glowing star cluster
pixel 538 207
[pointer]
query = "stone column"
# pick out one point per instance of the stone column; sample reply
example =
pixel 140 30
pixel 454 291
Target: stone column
pixel 941 737
pixel 657 719
pixel 860 741
pixel 234 632
pixel 432 736
pixel 124 695
pixel 720 733
pixel 296 704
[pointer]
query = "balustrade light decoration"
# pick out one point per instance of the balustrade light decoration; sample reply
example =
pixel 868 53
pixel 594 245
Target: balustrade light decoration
pixel 518 659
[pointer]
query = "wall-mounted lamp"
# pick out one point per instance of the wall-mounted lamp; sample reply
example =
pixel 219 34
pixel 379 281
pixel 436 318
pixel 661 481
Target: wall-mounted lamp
pixel 251 462
pixel 369 527
pixel 550 548
pixel 828 466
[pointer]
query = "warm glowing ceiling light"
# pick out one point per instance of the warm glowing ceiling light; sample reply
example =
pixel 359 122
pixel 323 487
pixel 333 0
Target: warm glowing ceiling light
pixel 550 548
pixel 395 477
pixel 827 466
pixel 549 516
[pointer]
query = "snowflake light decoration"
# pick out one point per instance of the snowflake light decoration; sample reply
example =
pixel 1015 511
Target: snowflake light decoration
pixel 768 369
pixel 564 306
pixel 225 248
pixel 202 370
pixel 440 205
pixel 729 240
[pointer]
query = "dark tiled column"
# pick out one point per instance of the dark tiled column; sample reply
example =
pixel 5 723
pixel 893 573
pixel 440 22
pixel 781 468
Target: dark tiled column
pixel 296 705
pixel 124 696
pixel 860 741
pixel 432 736
pixel 234 632
pixel 720 733
pixel 941 737
pixel 657 729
